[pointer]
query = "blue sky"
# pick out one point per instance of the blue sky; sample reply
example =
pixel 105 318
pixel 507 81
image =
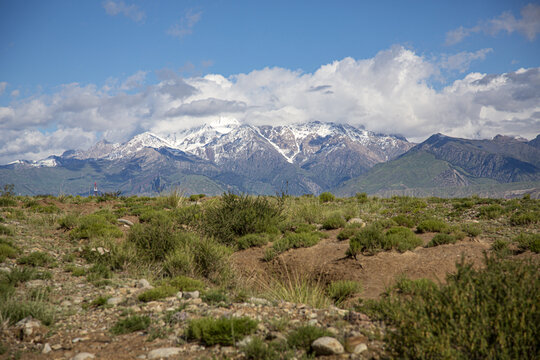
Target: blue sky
pixel 57 54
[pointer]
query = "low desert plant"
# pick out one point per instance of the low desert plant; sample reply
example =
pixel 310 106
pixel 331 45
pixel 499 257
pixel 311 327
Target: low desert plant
pixel 431 225
pixel 6 230
pixel 224 331
pixel 130 324
pixel 157 293
pixel 491 212
pixel 341 290
pixel 333 221
pixel 471 230
pixel 252 240
pixel 404 220
pixel 36 258
pixel 326 197
pixel 441 239
pixel 475 315
pixel 528 242
pixel 525 218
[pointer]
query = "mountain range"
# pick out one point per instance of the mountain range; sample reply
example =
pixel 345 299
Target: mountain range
pixel 295 159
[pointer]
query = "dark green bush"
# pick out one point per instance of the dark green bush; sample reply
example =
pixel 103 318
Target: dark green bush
pixel 489 313
pixel 295 241
pixel 304 336
pixel 347 233
pixel 404 220
pixel 159 292
pixel 472 230
pixel 36 258
pixel 7 201
pixel 525 218
pixel 490 211
pixel 215 297
pixel 156 238
pixel 441 239
pixel 500 247
pixel 68 222
pixel 184 283
pixel 252 240
pixel 333 221
pixel 130 324
pixel 257 349
pixel 7 251
pixel 402 239
pixel 326 197
pixel 97 225
pixel 5 230
pixel 431 225
pixel 369 241
pixel 238 215
pixel 224 331
pixel 528 242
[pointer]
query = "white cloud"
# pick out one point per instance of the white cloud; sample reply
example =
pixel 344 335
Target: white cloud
pixel 528 25
pixel 185 25
pixel 15 93
pixel 389 93
pixel 133 12
pixel 3 86
pixel 134 81
pixel 462 61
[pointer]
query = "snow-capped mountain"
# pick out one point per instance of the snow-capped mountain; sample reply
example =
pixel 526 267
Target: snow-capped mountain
pixel 300 158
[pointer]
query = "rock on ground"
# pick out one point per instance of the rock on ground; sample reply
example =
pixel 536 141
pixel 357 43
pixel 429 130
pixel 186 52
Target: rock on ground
pixel 327 345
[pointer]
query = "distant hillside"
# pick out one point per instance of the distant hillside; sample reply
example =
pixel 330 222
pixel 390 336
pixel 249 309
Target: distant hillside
pixel 446 166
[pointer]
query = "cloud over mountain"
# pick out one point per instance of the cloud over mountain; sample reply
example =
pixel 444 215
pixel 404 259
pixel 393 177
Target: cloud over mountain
pixel 389 93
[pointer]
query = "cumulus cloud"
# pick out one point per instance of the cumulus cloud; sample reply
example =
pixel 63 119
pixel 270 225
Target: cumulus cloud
pixel 185 25
pixel 389 93
pixel 528 25
pixel 132 12
pixel 134 81
pixel 3 86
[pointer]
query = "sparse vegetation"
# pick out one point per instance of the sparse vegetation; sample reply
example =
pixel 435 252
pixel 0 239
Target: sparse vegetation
pixel 130 324
pixel 223 331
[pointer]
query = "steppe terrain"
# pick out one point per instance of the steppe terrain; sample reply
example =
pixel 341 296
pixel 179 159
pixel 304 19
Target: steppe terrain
pixel 241 277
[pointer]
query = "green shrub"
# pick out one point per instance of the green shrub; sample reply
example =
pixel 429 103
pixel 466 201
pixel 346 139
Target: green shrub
pixel 130 324
pixel 215 297
pixel 326 197
pixel 297 289
pixel 402 239
pixel 369 241
pixel 99 271
pixel 406 286
pixel 157 293
pixel 97 225
pixel 75 270
pixel 441 239
pixel 333 221
pixel 100 301
pixel 14 309
pixel 5 230
pixel 404 220
pixel 252 240
pixel 257 349
pixel 18 275
pixel 155 239
pixel 68 222
pixel 224 331
pixel 238 215
pixel 490 313
pixel 7 201
pixel 500 247
pixel 362 197
pixel 472 230
pixel 341 290
pixel 7 251
pixel 490 211
pixel 295 241
pixel 184 283
pixel 36 258
pixel 431 225
pixel 528 242
pixel 347 233
pixel 525 218
pixel 304 336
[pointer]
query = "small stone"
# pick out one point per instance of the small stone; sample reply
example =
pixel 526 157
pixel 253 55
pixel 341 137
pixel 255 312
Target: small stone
pixel 164 352
pixel 227 350
pixel 179 295
pixel 65 303
pixel 327 346
pixel 259 301
pixel 356 344
pixel 28 325
pixel 46 349
pixel 125 221
pixel 56 347
pixel 83 356
pixel 115 300
pixel 100 250
pixel 191 294
pixel 144 284
pixel 313 322
pixel 245 341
